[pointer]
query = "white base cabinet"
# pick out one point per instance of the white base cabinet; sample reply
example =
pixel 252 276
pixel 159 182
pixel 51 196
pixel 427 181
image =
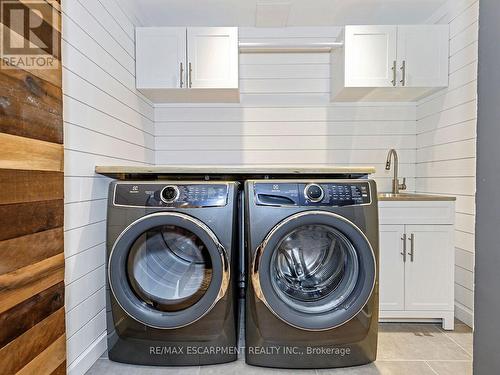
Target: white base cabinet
pixel 417 260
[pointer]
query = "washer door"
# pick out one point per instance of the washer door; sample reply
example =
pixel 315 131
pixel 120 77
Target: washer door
pixel 167 270
pixel 315 270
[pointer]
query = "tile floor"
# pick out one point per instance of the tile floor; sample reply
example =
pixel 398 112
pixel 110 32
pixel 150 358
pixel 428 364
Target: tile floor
pixel 409 349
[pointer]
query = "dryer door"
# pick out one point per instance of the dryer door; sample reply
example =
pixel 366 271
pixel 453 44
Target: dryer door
pixel 167 270
pixel 315 270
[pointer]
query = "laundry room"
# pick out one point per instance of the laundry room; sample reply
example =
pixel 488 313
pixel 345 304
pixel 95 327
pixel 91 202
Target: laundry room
pixel 249 186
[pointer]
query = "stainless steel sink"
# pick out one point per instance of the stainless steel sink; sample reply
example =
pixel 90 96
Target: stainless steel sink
pixel 413 197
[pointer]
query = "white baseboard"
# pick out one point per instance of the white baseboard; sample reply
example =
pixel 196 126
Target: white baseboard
pixel 85 360
pixel 464 314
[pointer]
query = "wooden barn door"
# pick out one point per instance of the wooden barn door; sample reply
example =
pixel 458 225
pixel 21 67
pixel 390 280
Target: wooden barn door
pixel 32 327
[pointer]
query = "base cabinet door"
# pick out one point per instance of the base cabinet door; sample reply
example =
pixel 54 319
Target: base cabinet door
pixel 391 268
pixel 429 268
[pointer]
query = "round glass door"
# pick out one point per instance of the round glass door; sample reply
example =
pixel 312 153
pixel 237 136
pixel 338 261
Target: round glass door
pixel 314 263
pixel 315 270
pixel 169 268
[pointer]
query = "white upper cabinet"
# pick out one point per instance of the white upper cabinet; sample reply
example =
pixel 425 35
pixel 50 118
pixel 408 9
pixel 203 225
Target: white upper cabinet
pixel 384 63
pixel 213 57
pixel 160 57
pixel 179 64
pixel 370 56
pixel 423 55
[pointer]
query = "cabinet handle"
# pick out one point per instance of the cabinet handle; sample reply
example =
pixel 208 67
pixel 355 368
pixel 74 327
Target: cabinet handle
pixel 403 253
pixel 412 247
pixel 393 73
pixel 190 74
pixel 403 71
pixel 182 74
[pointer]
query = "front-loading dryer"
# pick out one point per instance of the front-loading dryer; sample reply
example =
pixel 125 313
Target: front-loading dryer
pixel 172 249
pixel 312 255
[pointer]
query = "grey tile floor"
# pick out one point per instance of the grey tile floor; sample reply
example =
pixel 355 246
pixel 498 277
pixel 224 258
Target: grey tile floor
pixel 409 349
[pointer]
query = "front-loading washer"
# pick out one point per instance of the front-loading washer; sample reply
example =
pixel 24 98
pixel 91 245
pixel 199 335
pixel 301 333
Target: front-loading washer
pixel 172 261
pixel 312 255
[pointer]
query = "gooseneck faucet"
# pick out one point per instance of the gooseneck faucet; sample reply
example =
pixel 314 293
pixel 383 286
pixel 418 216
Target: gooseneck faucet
pixel 396 186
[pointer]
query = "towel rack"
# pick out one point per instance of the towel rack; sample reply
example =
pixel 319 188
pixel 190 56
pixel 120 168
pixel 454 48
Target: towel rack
pixel 267 47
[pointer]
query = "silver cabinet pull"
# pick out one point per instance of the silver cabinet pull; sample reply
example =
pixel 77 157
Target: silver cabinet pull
pixel 403 71
pixel 412 247
pixel 182 74
pixel 190 74
pixel 403 253
pixel 393 73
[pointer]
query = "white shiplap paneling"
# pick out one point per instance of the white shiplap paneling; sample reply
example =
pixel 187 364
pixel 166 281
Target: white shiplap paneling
pixel 285 117
pixel 106 122
pixel 446 142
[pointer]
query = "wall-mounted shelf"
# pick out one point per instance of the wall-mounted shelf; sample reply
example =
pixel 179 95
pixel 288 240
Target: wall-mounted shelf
pixel 263 47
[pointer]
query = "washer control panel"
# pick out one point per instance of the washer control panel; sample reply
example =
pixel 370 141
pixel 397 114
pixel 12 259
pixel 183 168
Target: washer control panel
pixel 312 194
pixel 170 195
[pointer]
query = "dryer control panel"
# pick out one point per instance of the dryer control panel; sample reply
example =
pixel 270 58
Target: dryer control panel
pixel 312 194
pixel 170 195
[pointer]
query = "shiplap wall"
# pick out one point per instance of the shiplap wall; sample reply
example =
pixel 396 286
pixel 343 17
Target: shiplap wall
pixel 446 142
pixel 106 122
pixel 285 117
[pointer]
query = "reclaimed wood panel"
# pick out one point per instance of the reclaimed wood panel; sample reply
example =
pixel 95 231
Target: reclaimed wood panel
pixel 30 154
pixel 32 313
pixel 52 76
pixel 18 353
pixel 29 106
pixel 47 361
pixel 21 219
pixel 25 282
pixel 26 120
pixel 17 186
pixel 61 370
pixel 29 89
pixel 22 251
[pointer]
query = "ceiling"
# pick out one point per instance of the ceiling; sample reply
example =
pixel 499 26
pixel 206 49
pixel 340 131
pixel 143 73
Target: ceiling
pixel 279 13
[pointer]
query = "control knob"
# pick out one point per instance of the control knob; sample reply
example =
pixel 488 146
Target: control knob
pixel 169 193
pixel 314 192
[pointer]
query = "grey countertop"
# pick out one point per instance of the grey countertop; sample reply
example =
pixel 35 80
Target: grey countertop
pixel 413 197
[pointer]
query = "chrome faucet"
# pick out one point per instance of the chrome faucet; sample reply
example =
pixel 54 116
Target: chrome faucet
pixel 396 186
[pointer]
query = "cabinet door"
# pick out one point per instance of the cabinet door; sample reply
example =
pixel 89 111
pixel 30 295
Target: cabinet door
pixel 370 55
pixel 391 268
pixel 429 272
pixel 423 50
pixel 213 57
pixel 160 57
